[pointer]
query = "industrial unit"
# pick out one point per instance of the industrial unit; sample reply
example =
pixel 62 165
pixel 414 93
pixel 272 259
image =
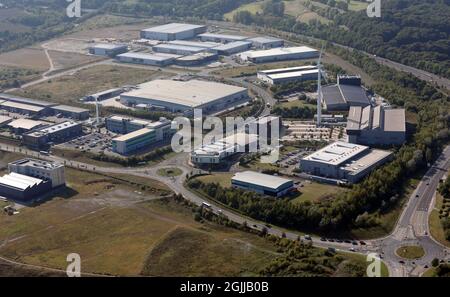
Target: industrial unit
pixel 108 49
pixel 31 107
pixel 231 48
pixel 173 31
pixel 266 42
pixel 262 183
pixel 199 44
pixel 347 92
pixel 287 75
pixel 5 120
pixel 376 126
pixel 196 60
pixel 218 151
pixel 30 178
pixel 279 54
pixel 42 138
pixel 159 59
pixel 184 96
pixel 132 142
pixel 21 126
pixel 221 38
pixel 103 95
pixel 344 161
pixel 72 112
pixel 176 49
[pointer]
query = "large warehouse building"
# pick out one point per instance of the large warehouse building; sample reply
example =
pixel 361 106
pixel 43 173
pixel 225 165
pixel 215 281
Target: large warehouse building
pixel 72 112
pixel 184 96
pixel 31 107
pixel 196 59
pixel 376 126
pixel 280 54
pixel 231 48
pixel 347 92
pixel 173 31
pixel 262 183
pixel 159 59
pixel 176 49
pixel 344 161
pixel 218 151
pixel 287 75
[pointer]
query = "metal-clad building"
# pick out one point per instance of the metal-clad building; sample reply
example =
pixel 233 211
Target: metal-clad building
pixel 75 113
pixel 197 59
pixel 172 31
pixel 347 92
pixel 231 48
pixel 159 59
pixel 177 49
pixel 266 42
pixel 22 187
pixel 21 126
pixel 222 38
pixel 45 170
pixel 58 133
pixel 184 96
pixel 287 75
pixel 26 106
pixel 108 49
pixel 122 125
pixel 262 183
pixel 376 126
pixel 280 54
pixel 200 44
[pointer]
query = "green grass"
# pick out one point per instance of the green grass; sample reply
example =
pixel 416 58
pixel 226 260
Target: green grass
pixel 411 252
pixel 170 172
pixel 436 228
pixel 224 179
pixel 295 103
pixel 253 8
pixel 362 259
pixel 312 191
pixel 431 272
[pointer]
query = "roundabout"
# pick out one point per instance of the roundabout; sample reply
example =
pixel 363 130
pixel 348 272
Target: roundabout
pixel 410 252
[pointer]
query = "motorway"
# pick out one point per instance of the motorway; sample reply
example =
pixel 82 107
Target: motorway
pixel 409 230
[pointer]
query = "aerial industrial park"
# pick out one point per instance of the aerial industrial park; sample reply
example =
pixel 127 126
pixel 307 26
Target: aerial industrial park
pixel 101 148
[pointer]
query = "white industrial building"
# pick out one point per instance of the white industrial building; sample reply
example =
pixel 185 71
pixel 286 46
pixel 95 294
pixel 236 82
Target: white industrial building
pixel 45 170
pixel 344 161
pixel 108 49
pixel 173 31
pixel 159 59
pixel 196 59
pixel 184 96
pixel 231 48
pixel 200 44
pixel 376 126
pixel 222 38
pixel 287 75
pixel 262 183
pixel 279 54
pixel 176 49
pixel 266 42
pixel 218 151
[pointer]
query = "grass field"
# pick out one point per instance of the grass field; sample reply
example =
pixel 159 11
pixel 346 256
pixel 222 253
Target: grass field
pixel 8 75
pixel 295 103
pixel 410 252
pixel 170 172
pixel 66 89
pixel 253 8
pixel 436 229
pixel 28 58
pixel 312 191
pixel 224 179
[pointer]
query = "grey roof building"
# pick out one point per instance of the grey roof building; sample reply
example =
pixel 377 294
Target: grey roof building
pixel 346 93
pixel 173 31
pixel 376 126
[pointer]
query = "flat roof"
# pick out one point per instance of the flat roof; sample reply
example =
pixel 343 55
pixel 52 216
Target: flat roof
pixel 23 106
pixel 293 74
pixel 223 36
pixel 150 56
pixel 394 120
pixel 4 119
pixel 366 161
pixel 193 49
pixel 265 39
pixel 58 127
pixel 289 69
pixel 280 51
pixel 24 124
pixel 196 57
pixel 37 163
pixel 336 153
pixel 173 28
pixel 20 181
pixel 260 179
pixel 109 46
pixel 24 100
pixel 354 94
pixel 390 120
pixel 70 108
pixel 232 45
pixel 134 134
pixel 200 44
pixel 190 93
pixel 226 144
